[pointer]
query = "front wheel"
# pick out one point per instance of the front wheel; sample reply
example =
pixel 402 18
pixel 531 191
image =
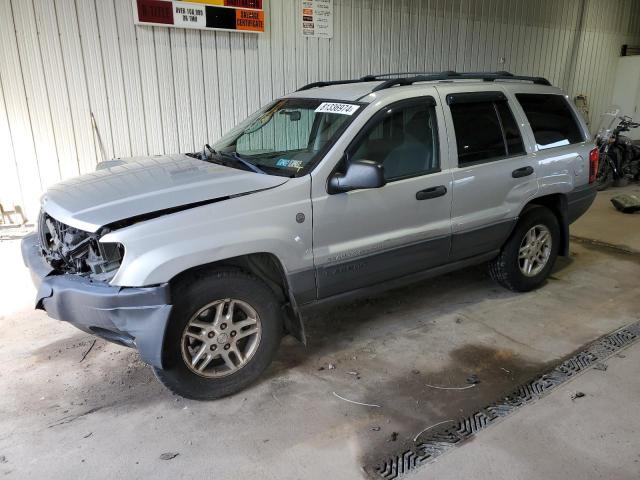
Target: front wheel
pixel 528 256
pixel 604 177
pixel 224 331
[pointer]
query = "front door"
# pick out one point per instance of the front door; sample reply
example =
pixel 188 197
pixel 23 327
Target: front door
pixel 365 237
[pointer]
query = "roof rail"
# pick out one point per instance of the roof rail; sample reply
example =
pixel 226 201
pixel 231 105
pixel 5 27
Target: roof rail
pixel 428 77
pixel 412 74
pixel 450 75
pixel 368 78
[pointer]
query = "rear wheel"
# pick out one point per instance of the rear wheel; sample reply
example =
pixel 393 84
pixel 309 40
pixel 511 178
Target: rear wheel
pixel 224 331
pixel 621 182
pixel 528 256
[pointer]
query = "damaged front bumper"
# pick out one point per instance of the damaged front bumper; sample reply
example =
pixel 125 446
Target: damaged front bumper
pixel 131 316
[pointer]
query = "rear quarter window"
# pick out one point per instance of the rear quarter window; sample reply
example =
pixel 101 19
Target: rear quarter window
pixel 551 118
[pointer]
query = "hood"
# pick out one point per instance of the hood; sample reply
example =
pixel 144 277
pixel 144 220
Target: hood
pixel 146 184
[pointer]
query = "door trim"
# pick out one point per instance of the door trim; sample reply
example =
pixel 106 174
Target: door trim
pixel 338 277
pixel 477 241
pixel 399 281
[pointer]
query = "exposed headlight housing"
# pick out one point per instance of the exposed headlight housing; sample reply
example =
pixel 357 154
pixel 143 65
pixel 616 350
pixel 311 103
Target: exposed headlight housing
pixel 70 250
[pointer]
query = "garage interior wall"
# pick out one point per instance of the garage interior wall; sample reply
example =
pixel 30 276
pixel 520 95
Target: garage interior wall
pixel 80 83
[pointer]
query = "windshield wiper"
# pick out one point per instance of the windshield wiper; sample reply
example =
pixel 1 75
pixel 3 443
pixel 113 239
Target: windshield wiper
pixel 246 163
pixel 210 148
pixel 237 158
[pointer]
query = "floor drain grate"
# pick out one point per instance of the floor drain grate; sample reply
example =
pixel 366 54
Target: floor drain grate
pixel 439 441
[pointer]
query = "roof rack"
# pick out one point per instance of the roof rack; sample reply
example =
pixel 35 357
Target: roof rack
pixel 415 77
pixel 368 78
pixel 450 75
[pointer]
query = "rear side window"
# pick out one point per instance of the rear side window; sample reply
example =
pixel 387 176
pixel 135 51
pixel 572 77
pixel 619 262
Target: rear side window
pixel 551 119
pixel 484 126
pixel 511 132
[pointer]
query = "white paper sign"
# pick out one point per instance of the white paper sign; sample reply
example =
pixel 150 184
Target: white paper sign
pixel 317 18
pixel 341 108
pixel 189 15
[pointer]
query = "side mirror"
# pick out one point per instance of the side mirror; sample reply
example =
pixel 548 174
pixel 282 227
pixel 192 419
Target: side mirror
pixel 359 175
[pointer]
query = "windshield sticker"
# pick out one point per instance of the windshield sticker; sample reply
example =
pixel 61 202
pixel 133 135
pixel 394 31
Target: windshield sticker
pixel 286 163
pixel 341 108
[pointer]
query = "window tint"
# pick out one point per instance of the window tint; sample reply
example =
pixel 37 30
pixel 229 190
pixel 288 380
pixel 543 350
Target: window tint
pixel 485 131
pixel 511 131
pixel 551 119
pixel 403 138
pixel 478 132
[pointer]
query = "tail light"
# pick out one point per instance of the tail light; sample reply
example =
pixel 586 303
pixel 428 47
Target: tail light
pixel 593 164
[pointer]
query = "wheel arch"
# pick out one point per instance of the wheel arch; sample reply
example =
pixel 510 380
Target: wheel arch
pixel 268 268
pixel 557 204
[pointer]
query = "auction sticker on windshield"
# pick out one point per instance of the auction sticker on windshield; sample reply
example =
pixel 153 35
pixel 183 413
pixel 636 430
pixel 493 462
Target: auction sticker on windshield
pixel 286 163
pixel 341 108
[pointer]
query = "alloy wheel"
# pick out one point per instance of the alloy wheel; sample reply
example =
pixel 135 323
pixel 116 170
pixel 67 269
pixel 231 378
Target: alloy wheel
pixel 535 250
pixel 221 338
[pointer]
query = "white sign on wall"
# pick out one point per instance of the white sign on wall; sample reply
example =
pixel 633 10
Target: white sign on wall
pixel 317 18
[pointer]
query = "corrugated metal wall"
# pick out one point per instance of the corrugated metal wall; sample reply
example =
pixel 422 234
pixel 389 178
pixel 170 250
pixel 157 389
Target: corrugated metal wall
pixel 66 65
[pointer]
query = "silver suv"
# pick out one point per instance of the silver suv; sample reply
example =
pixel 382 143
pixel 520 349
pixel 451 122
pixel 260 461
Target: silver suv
pixel 202 261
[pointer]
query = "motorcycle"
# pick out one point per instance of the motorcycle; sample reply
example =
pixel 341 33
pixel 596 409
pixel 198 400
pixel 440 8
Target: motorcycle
pixel 619 155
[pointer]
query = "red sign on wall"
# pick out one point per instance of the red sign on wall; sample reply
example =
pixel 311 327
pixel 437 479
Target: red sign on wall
pixel 155 11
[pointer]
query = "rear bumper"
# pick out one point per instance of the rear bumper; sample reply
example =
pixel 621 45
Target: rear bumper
pixel 135 317
pixel 579 201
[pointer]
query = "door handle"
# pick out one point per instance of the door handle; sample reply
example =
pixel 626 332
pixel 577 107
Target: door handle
pixel 522 172
pixel 432 192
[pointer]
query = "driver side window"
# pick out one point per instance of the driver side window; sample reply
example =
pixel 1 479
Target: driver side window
pixel 403 137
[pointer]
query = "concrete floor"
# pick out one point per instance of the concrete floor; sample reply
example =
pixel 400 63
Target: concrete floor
pixel 560 438
pixel 107 417
pixel 606 225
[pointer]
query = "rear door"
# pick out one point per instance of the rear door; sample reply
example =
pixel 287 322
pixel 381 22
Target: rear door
pixel 494 175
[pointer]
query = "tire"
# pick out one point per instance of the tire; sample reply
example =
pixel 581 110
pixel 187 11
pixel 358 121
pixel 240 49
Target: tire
pixel 198 300
pixel 620 182
pixel 506 267
pixel 604 177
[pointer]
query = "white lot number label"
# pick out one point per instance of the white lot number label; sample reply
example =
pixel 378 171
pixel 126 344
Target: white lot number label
pixel 341 108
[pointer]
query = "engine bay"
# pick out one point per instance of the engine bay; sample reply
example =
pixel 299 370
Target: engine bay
pixel 70 250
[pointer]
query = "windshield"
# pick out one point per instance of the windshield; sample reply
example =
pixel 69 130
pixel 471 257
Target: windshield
pixel 288 136
pixel 608 121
